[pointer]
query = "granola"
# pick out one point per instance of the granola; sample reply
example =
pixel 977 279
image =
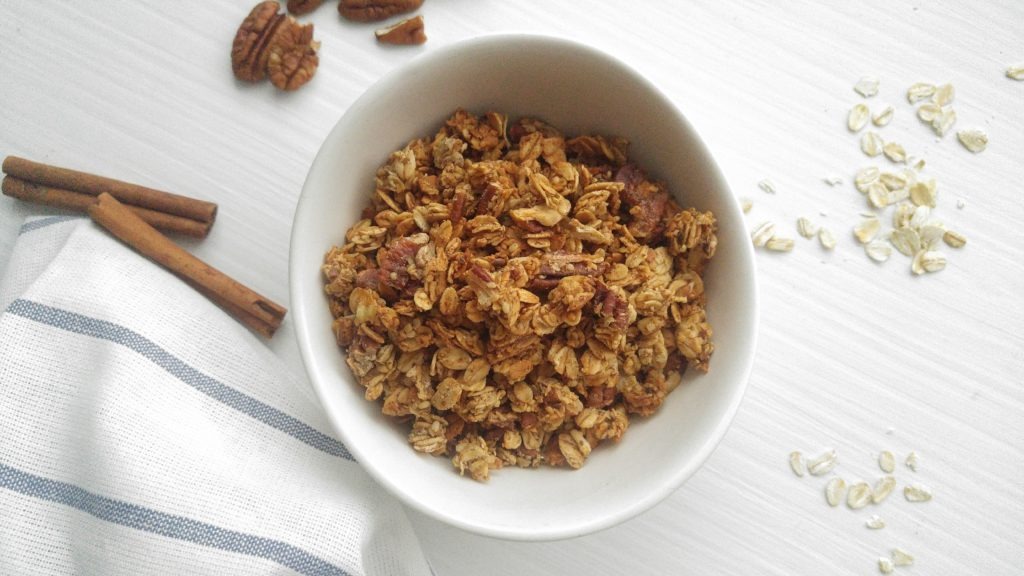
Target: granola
pixel 515 294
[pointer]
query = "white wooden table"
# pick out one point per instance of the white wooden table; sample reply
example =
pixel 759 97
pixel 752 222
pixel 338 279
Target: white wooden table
pixel 853 355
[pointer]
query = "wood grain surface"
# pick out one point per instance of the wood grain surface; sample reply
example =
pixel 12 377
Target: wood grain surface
pixel 853 355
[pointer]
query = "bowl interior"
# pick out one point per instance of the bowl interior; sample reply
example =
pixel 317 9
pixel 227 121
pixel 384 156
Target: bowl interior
pixel 579 90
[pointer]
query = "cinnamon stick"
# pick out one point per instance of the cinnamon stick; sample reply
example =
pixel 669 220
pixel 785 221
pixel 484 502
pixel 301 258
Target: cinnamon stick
pixel 40 194
pixel 255 311
pixel 126 192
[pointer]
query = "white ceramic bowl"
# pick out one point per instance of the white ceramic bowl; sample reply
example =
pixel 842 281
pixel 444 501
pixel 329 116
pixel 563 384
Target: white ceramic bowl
pixel 580 90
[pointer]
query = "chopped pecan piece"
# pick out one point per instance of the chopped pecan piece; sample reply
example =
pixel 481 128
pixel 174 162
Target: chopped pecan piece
pixel 300 7
pixel 408 31
pixel 269 42
pixel 375 10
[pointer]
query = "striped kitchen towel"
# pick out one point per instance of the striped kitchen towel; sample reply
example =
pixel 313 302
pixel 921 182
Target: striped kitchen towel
pixel 143 431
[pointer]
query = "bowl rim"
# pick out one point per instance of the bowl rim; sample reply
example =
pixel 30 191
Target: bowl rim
pixel 302 326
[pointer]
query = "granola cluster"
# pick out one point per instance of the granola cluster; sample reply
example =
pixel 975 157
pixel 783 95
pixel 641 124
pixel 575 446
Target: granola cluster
pixel 516 294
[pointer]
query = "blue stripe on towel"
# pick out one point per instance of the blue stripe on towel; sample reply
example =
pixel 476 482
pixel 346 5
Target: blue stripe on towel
pixel 44 222
pixel 79 324
pixel 176 527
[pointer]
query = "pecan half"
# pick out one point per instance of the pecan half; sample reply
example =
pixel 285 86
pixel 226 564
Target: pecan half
pixel 408 31
pixel 375 10
pixel 299 7
pixel 271 42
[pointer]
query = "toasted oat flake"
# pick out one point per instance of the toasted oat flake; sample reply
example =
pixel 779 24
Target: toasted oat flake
pixel 777 244
pixel 823 463
pixel 1015 72
pixel 763 233
pixel 805 227
pixel 928 112
pixel 767 185
pixel 920 91
pixel 866 177
pixel 866 230
pixel 827 239
pixel 917 493
pixel 796 463
pixel 875 522
pixel 901 557
pixel 894 152
pixel 859 495
pixel 944 121
pixel 886 461
pixel 954 239
pixel 878 250
pixel 867 86
pixel 834 491
pixel 944 95
pixel 871 144
pixel 883 116
pixel 882 489
pixel 885 565
pixel 974 140
pixel 912 461
pixel 858 117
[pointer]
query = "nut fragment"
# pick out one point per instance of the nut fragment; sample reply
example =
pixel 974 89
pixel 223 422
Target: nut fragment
pixel 300 7
pixel 406 32
pixel 917 493
pixel 375 10
pixel 974 140
pixel 834 491
pixel 859 495
pixel 272 43
pixel 823 463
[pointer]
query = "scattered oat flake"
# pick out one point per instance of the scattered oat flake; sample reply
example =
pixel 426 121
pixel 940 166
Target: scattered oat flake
pixel 746 205
pixel 894 152
pixel 930 234
pixel 867 86
pixel 883 116
pixel 920 216
pixel 858 117
pixel 878 250
pixel 916 163
pixel 878 195
pixel 777 244
pixel 974 140
pixel 823 463
pixel 882 489
pixel 833 180
pixel 866 230
pixel 859 495
pixel 901 557
pixel 912 461
pixel 886 461
pixel 767 185
pixel 1015 72
pixel 875 522
pixel 944 95
pixel 933 261
pixel 954 239
pixel 920 91
pixel 928 112
pixel 796 462
pixel 885 565
pixel 944 121
pixel 961 204
pixel 828 241
pixel 834 491
pixel 907 241
pixel 806 228
pixel 917 493
pixel 763 233
pixel 871 144
pixel 866 177
pixel 923 193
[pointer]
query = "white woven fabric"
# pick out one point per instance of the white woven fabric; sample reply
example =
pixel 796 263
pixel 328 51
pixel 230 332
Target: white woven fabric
pixel 143 431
